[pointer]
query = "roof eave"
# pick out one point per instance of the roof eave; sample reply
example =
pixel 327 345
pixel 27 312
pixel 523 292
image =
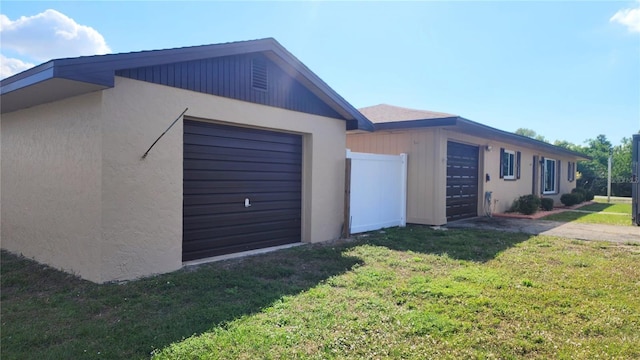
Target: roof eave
pixel 501 135
pixel 100 70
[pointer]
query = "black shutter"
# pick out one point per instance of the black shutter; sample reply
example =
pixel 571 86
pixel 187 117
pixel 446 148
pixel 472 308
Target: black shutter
pixel 518 158
pixel 501 163
pixel 534 174
pixel 542 173
pixel 558 177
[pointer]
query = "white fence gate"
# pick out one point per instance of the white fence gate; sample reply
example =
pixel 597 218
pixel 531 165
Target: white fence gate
pixel 378 188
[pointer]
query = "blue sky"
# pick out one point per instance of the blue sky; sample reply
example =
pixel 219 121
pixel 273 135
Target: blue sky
pixel 568 70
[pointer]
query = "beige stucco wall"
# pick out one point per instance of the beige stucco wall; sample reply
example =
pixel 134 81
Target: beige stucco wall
pixel 77 195
pixel 427 154
pixel 142 199
pixel 51 175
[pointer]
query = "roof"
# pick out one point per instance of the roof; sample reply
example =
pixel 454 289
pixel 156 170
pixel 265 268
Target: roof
pixel 388 117
pixel 388 113
pixel 62 78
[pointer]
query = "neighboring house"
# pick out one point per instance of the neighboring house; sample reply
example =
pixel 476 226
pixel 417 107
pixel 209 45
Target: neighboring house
pixel 256 161
pixel 454 162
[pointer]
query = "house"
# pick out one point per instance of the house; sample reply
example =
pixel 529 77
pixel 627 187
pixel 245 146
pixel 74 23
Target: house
pixel 458 168
pixel 256 161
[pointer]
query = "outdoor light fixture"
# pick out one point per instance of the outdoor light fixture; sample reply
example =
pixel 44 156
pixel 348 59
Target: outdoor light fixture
pixel 488 148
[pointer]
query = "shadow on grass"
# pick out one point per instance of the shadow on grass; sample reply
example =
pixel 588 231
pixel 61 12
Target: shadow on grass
pixel 49 314
pixel 470 245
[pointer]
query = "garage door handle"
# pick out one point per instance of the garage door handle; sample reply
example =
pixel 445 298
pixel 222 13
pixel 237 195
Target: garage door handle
pixel 247 203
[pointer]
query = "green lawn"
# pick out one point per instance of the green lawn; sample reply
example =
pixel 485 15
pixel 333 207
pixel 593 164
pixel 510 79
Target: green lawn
pixel 602 213
pixel 612 208
pixel 410 293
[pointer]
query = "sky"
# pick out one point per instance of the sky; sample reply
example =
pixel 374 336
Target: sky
pixel 567 70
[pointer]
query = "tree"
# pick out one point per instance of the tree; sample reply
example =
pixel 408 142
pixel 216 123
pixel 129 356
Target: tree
pixel 594 172
pixel 530 133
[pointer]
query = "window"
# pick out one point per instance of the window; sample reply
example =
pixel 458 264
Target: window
pixel 509 164
pixel 549 176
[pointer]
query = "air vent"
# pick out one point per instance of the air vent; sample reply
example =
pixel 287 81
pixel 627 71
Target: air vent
pixel 259 74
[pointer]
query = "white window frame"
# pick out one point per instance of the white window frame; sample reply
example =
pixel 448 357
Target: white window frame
pixel 511 155
pixel 554 176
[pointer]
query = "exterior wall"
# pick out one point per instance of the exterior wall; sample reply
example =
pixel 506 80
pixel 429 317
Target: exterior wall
pixel 425 198
pixel 51 176
pixel 427 156
pixel 77 195
pixel 142 199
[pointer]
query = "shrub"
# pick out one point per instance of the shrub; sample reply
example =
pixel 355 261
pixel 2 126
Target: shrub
pixel 528 204
pixel 588 195
pixel 580 193
pixel 546 204
pixel 570 199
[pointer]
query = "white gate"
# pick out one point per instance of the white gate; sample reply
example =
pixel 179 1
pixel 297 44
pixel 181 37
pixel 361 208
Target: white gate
pixel 378 188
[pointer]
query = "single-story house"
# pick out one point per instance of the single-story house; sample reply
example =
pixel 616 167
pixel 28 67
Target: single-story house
pixel 458 168
pixel 256 161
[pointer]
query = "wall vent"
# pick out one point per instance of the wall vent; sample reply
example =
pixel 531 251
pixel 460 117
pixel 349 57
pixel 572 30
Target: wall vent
pixel 259 74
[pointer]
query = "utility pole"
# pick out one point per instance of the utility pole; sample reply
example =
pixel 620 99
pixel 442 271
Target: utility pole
pixel 609 176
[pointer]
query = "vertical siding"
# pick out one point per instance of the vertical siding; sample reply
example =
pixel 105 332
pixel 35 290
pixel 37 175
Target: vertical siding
pixel 422 170
pixel 230 76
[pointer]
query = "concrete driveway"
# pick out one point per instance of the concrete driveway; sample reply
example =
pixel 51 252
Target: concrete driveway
pixel 612 233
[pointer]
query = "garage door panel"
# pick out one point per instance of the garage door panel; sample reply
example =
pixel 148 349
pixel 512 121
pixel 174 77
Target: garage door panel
pixel 224 165
pixel 193 255
pixel 214 165
pixel 462 181
pixel 242 144
pixel 206 221
pixel 235 239
pixel 242 155
pixel 232 208
pixel 464 191
pixel 224 187
pixel 206 175
pixel 226 231
pixel 225 198
pixel 239 133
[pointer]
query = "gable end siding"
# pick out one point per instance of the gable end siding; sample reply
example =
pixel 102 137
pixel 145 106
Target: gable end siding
pixel 230 76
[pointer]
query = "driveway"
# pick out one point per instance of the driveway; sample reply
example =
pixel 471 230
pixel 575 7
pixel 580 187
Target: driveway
pixel 612 233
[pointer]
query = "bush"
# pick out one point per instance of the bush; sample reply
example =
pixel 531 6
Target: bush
pixel 528 204
pixel 546 204
pixel 580 193
pixel 570 199
pixel 588 195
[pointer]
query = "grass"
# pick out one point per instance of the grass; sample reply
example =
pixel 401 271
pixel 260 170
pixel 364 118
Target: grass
pixel 602 213
pixel 410 293
pixel 612 208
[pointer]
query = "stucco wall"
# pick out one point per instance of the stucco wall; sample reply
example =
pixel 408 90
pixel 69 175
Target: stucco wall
pixel 76 194
pixel 427 155
pixel 142 199
pixel 51 174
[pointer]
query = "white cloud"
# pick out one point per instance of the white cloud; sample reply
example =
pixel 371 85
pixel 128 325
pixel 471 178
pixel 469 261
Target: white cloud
pixel 50 35
pixel 9 66
pixel 629 18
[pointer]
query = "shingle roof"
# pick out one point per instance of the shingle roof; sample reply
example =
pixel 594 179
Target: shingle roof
pixel 388 117
pixel 384 113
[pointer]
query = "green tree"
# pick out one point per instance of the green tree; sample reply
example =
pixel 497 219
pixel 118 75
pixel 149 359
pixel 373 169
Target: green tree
pixel 530 133
pixel 621 166
pixel 594 172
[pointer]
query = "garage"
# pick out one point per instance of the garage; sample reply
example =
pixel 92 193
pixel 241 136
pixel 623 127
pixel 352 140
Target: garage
pixel 242 189
pixel 462 181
